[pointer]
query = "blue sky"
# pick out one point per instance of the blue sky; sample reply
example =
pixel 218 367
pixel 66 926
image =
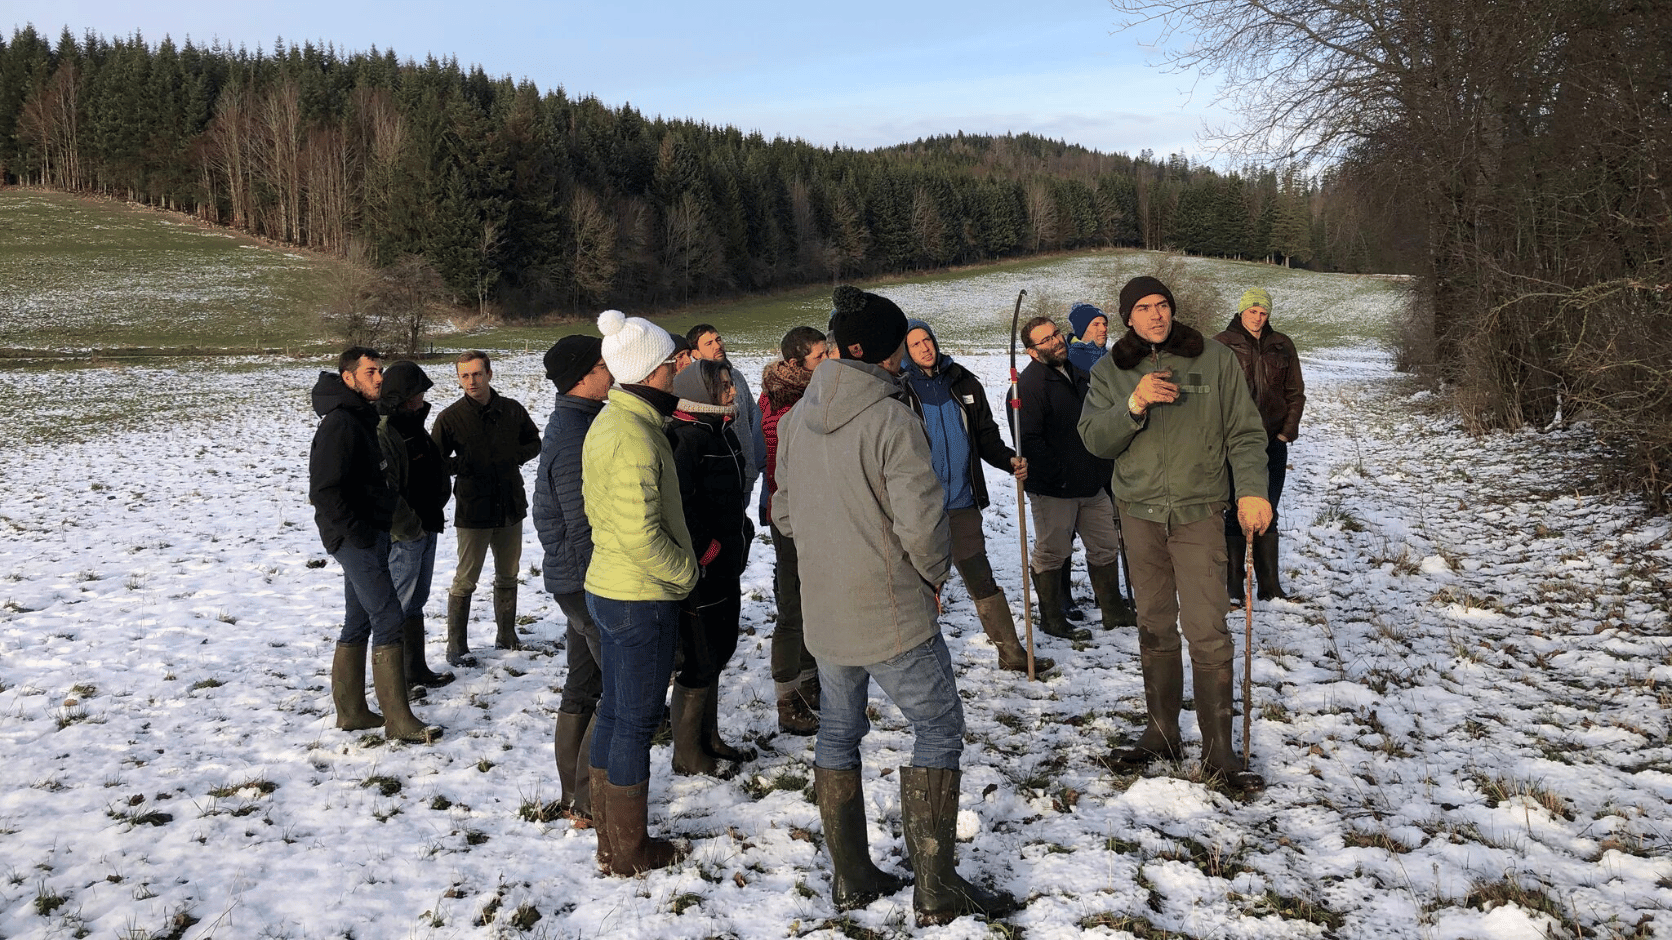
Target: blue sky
pixel 860 73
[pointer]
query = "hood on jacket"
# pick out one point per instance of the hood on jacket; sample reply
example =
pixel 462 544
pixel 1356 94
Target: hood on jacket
pixel 942 360
pixel 698 387
pixel 401 380
pixel 331 393
pixel 840 390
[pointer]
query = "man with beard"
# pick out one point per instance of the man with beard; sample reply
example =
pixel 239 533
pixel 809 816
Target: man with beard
pixel 353 509
pixel 1172 412
pixel 1066 484
pixel 707 343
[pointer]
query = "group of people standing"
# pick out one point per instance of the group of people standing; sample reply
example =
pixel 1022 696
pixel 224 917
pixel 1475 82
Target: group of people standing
pixel 870 438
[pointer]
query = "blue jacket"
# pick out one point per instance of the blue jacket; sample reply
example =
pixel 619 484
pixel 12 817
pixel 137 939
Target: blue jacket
pixel 559 512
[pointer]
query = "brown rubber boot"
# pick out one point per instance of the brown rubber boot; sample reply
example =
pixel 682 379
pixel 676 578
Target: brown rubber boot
pixel 389 678
pixel 632 850
pixel 1048 587
pixel 571 740
pixel 1163 697
pixel 689 756
pixel 1213 717
pixel 600 778
pixel 794 717
pixel 1000 627
pixel 417 671
pixel 856 881
pixel 811 692
pixel 458 631
pixel 929 811
pixel 348 689
pixel 1105 583
pixel 505 619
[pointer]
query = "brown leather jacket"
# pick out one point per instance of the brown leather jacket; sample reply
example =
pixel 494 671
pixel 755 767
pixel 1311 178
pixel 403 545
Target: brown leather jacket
pixel 1272 368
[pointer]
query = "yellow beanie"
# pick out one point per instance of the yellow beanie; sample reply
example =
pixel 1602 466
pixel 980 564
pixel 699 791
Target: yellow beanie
pixel 1254 297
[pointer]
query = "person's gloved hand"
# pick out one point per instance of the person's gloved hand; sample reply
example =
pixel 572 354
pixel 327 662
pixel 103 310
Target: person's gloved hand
pixel 1154 388
pixel 1254 515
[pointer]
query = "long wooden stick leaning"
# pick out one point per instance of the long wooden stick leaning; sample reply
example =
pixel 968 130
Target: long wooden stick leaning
pixel 1021 497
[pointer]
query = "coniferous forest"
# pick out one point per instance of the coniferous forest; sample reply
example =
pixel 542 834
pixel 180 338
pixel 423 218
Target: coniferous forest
pixel 528 202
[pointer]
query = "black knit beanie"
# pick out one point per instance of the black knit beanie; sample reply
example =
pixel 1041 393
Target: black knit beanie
pixel 1137 289
pixel 873 322
pixel 571 358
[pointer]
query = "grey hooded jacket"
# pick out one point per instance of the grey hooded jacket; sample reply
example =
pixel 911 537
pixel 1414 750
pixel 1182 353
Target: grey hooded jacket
pixel 857 491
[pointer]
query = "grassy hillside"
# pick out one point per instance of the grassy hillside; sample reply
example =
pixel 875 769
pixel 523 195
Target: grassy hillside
pixel 78 275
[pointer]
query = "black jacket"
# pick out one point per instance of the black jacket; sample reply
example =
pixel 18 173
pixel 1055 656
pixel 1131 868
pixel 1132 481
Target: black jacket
pixel 1272 367
pixel 484 445
pixel 351 501
pixel 709 457
pixel 559 510
pixel 1058 463
pixel 985 441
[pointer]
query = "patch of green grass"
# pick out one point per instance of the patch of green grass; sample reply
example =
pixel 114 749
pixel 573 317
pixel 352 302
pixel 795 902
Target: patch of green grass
pixel 229 790
pixel 386 785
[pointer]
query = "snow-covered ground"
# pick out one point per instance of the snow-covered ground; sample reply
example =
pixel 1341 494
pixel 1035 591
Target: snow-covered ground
pixel 1463 714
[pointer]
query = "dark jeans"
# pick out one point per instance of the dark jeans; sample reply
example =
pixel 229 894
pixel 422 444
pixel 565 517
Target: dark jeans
pixel 789 646
pixel 919 682
pixel 411 568
pixel 969 552
pixel 636 639
pixel 1277 470
pixel 585 681
pixel 372 608
pixel 708 634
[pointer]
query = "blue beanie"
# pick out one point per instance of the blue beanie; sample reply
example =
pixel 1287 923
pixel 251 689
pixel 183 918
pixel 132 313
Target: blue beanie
pixel 1080 316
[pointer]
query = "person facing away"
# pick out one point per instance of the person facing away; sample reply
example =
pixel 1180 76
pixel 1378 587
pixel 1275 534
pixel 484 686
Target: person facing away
pixel 857 491
pixel 962 434
pixel 1067 485
pixel 353 510
pixel 642 567
pixel 795 673
pixel 1172 411
pixel 709 459
pixel 575 366
pixel 415 471
pixel 485 437
pixel 1272 368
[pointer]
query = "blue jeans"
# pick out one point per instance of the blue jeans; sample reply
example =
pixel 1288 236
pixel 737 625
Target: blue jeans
pixel 369 595
pixel 411 567
pixel 636 639
pixel 919 682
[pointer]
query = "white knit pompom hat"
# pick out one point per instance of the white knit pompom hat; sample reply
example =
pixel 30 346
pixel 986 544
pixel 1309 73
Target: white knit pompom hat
pixel 633 346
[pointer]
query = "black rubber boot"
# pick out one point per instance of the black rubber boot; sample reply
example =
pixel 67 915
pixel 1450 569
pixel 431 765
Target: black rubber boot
pixel 1163 697
pixel 348 689
pixel 1265 565
pixel 1000 627
pixel 689 755
pixel 418 672
pixel 856 881
pixel 458 631
pixel 571 746
pixel 505 619
pixel 1213 716
pixel 389 678
pixel 1070 610
pixel 1051 620
pixel 711 741
pixel 1105 583
pixel 929 810
pixel 1236 570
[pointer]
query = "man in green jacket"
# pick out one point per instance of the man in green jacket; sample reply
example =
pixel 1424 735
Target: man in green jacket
pixel 642 567
pixel 1172 410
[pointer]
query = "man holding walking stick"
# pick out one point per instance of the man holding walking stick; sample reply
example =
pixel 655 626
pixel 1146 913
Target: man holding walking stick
pixel 1172 411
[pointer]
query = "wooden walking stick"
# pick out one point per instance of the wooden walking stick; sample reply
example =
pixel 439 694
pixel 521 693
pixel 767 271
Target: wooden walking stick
pixel 1015 403
pixel 1247 645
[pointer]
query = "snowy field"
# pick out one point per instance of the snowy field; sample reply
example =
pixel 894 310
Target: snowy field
pixel 1463 713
